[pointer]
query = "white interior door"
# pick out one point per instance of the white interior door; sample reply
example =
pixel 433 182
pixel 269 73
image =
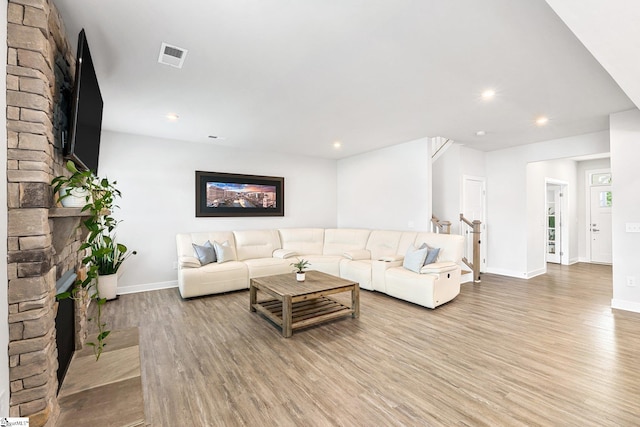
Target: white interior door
pixel 473 207
pixel 600 225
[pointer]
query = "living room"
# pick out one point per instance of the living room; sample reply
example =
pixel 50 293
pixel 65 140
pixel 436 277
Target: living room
pixel 385 186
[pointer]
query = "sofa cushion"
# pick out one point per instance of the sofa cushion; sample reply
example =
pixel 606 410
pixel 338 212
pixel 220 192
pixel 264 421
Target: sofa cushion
pixel 337 241
pixel 358 271
pixel 414 258
pixel 450 245
pixel 329 264
pixel 304 241
pixel 206 254
pixel 260 267
pixel 224 251
pixel 382 243
pixel 252 244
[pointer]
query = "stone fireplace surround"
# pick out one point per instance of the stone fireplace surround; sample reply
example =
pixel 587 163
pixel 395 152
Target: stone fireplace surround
pixel 42 239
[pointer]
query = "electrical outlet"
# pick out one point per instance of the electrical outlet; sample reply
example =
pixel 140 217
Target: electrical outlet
pixel 632 227
pixel 175 265
pixel 410 224
pixel 631 280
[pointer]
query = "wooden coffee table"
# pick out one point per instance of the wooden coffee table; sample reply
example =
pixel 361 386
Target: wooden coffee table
pixel 293 305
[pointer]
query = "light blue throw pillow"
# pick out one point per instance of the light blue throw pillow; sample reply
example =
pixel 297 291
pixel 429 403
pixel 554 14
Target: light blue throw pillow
pixel 224 251
pixel 206 253
pixel 414 258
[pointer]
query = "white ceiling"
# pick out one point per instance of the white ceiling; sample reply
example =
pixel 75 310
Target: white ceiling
pixel 295 76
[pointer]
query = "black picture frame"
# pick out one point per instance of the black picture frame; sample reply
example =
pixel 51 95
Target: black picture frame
pixel 235 195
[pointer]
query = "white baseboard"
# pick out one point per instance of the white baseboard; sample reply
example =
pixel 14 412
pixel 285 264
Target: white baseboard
pixel 147 287
pixel 582 259
pixel 574 261
pixel 625 305
pixel 509 273
pixel 535 273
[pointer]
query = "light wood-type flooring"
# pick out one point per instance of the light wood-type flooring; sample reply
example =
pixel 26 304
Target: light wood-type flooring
pixel 547 351
pixel 107 393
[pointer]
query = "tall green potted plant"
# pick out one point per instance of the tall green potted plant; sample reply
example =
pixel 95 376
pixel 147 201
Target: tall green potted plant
pixel 100 249
pixel 108 255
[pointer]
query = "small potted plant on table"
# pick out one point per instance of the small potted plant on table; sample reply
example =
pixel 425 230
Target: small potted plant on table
pixel 300 266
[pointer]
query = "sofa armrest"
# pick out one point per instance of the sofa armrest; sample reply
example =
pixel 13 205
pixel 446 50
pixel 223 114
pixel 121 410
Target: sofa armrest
pixel 392 258
pixel 358 254
pixel 439 267
pixel 188 262
pixel 284 253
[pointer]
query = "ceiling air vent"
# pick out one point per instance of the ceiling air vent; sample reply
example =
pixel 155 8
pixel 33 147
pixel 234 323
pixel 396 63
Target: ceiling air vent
pixel 172 55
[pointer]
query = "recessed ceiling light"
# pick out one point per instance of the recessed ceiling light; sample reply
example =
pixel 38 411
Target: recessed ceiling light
pixel 541 121
pixel 481 133
pixel 337 144
pixel 488 94
pixel 172 117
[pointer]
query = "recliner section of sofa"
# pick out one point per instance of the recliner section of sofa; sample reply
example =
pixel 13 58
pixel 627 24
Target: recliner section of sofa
pixel 373 258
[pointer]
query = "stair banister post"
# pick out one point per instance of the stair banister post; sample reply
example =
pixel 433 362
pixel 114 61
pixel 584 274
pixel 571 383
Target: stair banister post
pixel 476 250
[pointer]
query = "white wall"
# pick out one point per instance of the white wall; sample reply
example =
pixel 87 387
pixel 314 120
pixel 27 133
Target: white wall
pixel 584 234
pixel 447 187
pixel 507 198
pixel 4 302
pixel 448 173
pixel 388 188
pixel 157 180
pixel 625 174
pixel 538 173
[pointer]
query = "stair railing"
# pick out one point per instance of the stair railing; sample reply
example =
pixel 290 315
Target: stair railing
pixel 440 227
pixel 439 145
pixel 471 230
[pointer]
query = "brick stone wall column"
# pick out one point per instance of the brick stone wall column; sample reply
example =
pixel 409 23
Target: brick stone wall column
pixel 39 61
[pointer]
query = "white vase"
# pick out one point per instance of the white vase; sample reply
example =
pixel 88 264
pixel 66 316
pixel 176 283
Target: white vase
pixel 77 197
pixel 300 277
pixel 107 286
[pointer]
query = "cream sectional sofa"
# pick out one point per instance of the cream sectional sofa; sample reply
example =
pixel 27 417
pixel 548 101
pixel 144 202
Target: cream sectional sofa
pixel 373 258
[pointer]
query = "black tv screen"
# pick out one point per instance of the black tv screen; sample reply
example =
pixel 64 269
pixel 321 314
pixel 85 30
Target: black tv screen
pixel 83 146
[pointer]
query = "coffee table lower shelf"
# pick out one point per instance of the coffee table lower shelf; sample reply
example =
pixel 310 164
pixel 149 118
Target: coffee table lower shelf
pixel 304 313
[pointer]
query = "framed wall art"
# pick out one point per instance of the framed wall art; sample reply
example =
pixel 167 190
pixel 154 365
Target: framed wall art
pixel 230 194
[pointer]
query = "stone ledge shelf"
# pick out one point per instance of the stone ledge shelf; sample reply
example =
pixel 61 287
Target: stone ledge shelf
pixel 65 222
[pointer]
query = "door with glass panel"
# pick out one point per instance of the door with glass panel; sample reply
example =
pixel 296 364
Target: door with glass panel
pixel 600 224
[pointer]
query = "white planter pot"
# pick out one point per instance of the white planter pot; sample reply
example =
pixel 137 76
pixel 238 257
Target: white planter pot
pixel 77 197
pixel 300 277
pixel 107 286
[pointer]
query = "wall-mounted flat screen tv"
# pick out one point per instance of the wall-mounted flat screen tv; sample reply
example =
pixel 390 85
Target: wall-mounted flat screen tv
pixel 83 145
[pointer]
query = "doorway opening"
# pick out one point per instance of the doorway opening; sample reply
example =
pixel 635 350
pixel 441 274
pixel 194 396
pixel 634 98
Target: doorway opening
pixel 474 204
pixel 556 225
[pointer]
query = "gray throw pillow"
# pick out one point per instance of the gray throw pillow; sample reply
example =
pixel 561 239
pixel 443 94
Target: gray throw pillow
pixel 414 258
pixel 224 251
pixel 206 253
pixel 432 256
